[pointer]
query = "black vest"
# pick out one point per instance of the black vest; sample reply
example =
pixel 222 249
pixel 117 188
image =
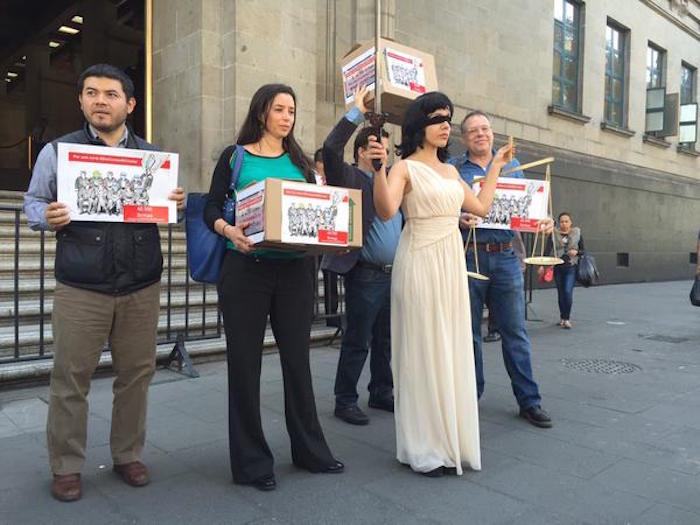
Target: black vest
pixel 107 257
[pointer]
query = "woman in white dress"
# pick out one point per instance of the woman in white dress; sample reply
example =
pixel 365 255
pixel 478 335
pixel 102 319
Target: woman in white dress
pixel 436 412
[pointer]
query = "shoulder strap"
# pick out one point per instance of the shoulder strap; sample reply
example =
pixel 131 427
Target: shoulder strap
pixel 236 162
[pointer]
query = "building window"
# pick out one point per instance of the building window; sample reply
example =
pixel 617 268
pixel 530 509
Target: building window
pixel 655 66
pixel 687 84
pixel 656 90
pixel 565 76
pixel 615 74
pixel 688 124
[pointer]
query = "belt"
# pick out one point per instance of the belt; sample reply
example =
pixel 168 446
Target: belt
pixel 492 246
pixel 386 268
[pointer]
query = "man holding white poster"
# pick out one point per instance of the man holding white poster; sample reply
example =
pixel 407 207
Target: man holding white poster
pixel 504 289
pixel 107 289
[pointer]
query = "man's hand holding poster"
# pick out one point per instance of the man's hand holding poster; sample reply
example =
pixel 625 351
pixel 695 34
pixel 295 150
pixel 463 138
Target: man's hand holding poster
pixel 518 204
pixel 117 184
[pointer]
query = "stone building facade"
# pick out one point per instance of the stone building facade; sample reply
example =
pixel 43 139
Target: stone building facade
pixel 637 196
pixel 566 78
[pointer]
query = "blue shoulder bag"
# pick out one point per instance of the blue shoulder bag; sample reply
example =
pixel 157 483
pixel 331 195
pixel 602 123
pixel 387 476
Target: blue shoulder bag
pixel 206 249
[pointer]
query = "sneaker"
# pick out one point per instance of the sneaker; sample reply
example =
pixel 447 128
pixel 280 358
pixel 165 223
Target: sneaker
pixel 536 416
pixel 352 414
pixel 566 324
pixel 492 337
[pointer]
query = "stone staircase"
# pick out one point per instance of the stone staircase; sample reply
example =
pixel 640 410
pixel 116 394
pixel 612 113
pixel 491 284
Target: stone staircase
pixel 187 307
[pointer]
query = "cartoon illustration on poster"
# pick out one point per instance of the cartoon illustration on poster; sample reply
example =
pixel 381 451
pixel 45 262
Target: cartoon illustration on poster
pixel 315 215
pixel 117 184
pixel 405 71
pixel 518 204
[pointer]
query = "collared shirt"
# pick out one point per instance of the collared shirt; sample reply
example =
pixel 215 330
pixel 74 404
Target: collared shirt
pixel 468 170
pixel 42 188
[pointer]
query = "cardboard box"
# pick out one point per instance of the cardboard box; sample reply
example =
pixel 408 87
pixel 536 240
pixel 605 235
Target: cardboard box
pixel 289 215
pixel 404 74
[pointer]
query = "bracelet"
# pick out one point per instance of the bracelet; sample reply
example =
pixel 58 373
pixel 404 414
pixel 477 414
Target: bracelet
pixel 223 230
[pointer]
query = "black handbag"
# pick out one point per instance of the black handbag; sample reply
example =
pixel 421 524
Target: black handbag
pixel 695 292
pixel 586 270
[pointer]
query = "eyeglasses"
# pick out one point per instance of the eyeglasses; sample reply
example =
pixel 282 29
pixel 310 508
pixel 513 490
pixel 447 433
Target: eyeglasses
pixel 480 129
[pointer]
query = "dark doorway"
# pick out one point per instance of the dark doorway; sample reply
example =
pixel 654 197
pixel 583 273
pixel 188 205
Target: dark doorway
pixel 44 45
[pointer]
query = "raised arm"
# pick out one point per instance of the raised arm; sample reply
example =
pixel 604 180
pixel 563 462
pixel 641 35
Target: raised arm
pixel 389 189
pixel 334 145
pixel 480 204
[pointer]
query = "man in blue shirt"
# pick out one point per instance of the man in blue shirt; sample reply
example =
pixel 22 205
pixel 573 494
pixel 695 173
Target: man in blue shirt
pixel 504 289
pixel 367 272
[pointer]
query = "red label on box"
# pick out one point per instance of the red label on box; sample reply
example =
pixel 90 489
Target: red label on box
pixel 307 194
pixel 332 237
pixel 523 225
pixel 417 88
pixel 133 213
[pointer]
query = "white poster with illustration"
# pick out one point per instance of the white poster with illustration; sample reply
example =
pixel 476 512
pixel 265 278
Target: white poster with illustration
pixel 405 71
pixel 117 184
pixel 518 204
pixel 315 214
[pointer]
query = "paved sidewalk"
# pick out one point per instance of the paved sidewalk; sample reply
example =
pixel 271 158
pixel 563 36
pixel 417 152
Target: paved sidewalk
pixel 625 448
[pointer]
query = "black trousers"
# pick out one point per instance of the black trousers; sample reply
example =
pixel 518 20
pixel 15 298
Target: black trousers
pixel 250 289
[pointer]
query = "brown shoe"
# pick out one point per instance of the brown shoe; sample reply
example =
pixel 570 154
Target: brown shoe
pixel 66 487
pixel 134 473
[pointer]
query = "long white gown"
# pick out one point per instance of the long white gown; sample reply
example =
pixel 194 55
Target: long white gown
pixel 436 411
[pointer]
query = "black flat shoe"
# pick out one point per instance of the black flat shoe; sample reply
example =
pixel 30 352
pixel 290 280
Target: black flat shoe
pixel 435 473
pixel 265 484
pixel 333 468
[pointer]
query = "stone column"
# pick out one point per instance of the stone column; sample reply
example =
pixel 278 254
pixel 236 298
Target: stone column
pixel 209 58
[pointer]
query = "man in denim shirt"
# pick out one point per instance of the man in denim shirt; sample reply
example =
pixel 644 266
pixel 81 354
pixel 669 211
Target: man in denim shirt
pixel 504 289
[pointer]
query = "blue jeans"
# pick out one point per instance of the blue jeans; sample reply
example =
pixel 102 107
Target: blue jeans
pixel 565 277
pixel 368 315
pixel 504 293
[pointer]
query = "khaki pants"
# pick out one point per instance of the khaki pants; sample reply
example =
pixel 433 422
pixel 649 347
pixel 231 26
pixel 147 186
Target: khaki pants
pixel 83 321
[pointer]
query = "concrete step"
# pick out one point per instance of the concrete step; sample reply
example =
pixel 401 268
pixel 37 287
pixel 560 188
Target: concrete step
pixel 29 335
pixel 29 288
pixel 29 265
pixel 32 247
pixel 33 367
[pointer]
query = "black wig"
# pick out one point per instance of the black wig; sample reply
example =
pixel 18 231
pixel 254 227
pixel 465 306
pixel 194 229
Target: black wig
pixel 415 119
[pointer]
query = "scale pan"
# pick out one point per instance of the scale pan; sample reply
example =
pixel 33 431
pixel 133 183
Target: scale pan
pixel 478 276
pixel 543 261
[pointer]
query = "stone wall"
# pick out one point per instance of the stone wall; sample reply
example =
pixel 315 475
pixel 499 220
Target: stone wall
pixel 630 196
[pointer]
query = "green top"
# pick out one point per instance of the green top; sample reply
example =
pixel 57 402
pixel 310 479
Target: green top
pixel 255 169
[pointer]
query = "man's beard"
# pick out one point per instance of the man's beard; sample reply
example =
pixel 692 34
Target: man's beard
pixel 108 128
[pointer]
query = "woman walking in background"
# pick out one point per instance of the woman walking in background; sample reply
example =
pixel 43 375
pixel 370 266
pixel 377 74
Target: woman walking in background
pixel 569 243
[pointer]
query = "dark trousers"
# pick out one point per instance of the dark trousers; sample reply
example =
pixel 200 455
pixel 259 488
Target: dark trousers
pixel 249 290
pixel 565 278
pixel 368 315
pixel 330 298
